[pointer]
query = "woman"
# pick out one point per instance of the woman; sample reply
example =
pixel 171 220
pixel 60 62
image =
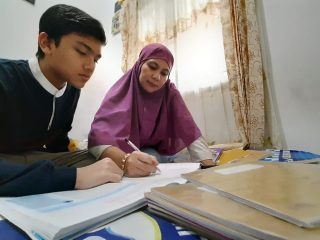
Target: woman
pixel 146 108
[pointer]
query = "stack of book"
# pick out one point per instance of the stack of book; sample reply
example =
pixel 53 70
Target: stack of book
pixel 250 200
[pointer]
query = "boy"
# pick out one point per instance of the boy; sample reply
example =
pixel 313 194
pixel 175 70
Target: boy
pixel 38 99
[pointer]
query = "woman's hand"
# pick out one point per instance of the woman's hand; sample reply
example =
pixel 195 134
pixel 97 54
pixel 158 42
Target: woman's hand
pixel 207 163
pixel 103 171
pixel 140 164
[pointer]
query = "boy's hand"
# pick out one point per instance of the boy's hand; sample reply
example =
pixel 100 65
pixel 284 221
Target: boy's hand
pixel 103 171
pixel 140 164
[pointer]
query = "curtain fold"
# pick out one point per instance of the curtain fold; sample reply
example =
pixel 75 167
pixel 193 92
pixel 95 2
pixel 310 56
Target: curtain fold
pixel 129 33
pixel 244 67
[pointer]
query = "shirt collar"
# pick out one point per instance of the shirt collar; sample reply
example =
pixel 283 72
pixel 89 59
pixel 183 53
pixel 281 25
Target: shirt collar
pixel 43 81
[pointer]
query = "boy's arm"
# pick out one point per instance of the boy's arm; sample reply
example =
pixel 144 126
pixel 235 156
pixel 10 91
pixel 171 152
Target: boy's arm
pixel 44 177
pixel 39 177
pixel 60 144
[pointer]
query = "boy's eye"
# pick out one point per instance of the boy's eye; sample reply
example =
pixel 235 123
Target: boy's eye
pixel 81 52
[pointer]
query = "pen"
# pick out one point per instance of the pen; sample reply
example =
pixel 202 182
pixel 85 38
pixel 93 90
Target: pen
pixel 134 147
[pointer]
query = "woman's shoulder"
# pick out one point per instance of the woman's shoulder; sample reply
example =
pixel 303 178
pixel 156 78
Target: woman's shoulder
pixel 173 89
pixel 174 95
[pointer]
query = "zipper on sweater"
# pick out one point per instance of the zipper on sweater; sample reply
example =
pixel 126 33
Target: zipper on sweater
pixel 53 111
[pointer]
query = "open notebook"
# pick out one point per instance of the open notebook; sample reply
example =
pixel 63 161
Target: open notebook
pixel 69 214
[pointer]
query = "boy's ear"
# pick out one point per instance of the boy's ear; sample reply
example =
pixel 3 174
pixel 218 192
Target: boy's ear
pixel 45 43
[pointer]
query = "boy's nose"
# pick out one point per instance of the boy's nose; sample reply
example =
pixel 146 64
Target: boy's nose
pixel 89 66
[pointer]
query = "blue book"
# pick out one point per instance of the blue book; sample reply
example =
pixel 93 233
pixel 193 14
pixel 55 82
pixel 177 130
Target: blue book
pixel 291 156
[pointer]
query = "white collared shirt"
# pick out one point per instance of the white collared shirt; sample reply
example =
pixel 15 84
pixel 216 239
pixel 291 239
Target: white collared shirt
pixel 45 83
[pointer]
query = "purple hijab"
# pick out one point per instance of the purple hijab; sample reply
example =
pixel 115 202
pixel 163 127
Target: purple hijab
pixel 159 120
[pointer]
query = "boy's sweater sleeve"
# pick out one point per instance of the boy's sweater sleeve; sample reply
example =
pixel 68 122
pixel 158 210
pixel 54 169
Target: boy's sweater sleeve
pixel 39 177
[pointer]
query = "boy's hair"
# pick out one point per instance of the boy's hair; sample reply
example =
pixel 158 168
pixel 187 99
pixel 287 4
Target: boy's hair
pixel 61 19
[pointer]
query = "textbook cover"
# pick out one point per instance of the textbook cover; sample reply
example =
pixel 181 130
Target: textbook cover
pixel 66 215
pixel 288 191
pixel 239 155
pixel 212 213
pixel 141 225
pixel 182 215
pixel 125 228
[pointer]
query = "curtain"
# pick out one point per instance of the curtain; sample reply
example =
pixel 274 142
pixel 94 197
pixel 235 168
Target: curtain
pixel 129 33
pixel 192 30
pixel 244 67
pixel 146 21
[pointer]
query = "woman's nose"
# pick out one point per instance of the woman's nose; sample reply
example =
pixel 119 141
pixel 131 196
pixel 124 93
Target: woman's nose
pixel 157 76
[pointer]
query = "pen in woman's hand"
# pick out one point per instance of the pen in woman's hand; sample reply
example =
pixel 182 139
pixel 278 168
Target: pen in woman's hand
pixel 132 145
pixel 136 148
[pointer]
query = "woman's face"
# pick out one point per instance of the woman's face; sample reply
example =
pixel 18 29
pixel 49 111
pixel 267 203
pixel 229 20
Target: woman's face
pixel 153 74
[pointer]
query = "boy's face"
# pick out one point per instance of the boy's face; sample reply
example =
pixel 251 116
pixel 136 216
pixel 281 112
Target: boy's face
pixel 72 61
pixel 153 74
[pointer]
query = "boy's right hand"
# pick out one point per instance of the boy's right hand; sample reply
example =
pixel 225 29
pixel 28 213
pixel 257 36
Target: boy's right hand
pixel 103 171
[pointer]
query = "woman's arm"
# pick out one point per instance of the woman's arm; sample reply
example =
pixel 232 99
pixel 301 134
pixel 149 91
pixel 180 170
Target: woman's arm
pixel 200 152
pixel 137 164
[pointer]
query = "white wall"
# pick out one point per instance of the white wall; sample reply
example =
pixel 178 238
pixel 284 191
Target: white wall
pixel 19 29
pixel 291 48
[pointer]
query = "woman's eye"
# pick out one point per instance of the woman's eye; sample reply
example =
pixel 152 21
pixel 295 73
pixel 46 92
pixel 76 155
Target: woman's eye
pixel 164 74
pixel 153 67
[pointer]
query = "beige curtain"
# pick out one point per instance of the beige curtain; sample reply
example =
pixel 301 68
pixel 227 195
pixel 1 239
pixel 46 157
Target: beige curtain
pixel 244 67
pixel 147 21
pixel 129 33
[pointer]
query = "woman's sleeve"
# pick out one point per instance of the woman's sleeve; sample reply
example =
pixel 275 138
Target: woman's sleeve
pixel 36 178
pixel 98 150
pixel 199 150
